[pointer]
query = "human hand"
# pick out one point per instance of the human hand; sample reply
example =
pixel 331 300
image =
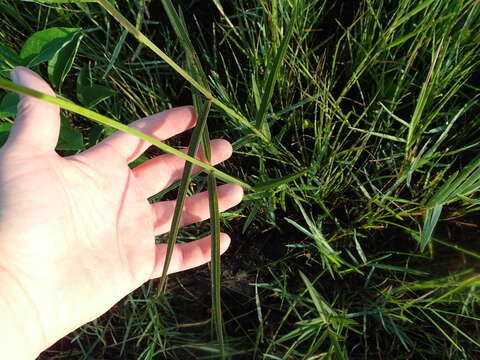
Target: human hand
pixel 77 233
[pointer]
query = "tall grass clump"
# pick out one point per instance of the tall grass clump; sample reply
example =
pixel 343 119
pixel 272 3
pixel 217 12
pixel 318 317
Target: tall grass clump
pixel 357 124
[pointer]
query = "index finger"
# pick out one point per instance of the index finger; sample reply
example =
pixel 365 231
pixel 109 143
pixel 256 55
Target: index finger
pixel 160 126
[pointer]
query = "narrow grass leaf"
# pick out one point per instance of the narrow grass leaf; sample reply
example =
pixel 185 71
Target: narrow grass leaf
pixel 474 280
pixel 251 216
pixel 429 223
pixel 116 52
pixel 463 183
pixel 443 332
pixel 398 269
pixel 148 43
pixel 380 135
pixel 458 248
pixel 216 265
pixel 324 310
pixel 182 194
pixel 359 249
pixel 195 68
pixel 8 105
pixel 260 332
pixel 104 120
pixel 456 328
pixel 273 69
pixel 275 183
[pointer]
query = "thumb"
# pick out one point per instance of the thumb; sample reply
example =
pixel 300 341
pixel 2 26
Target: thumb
pixel 37 123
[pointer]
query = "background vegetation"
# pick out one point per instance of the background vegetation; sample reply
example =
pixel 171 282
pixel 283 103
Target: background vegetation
pixel 362 240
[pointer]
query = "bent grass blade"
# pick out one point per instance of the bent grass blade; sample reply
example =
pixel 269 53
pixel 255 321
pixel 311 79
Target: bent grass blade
pixel 104 120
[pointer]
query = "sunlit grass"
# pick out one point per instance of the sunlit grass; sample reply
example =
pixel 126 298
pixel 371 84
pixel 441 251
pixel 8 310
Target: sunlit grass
pixel 357 125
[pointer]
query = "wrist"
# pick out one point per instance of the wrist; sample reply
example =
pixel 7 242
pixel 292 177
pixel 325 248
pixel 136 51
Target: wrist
pixel 20 333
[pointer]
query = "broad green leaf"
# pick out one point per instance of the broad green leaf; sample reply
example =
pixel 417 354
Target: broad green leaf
pixel 8 60
pixel 4 131
pixel 45 44
pixel 8 105
pixel 83 78
pixel 95 134
pixel 61 63
pixel 70 138
pixel 90 94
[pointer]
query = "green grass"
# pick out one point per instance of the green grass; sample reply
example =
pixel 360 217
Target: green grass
pixel 357 125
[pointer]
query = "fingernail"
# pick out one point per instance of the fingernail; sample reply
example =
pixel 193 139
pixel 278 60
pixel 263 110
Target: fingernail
pixel 14 75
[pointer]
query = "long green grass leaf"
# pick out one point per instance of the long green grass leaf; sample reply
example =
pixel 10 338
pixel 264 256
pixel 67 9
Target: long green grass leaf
pixel 275 183
pixel 195 68
pixel 182 194
pixel 197 137
pixel 216 269
pixel 148 43
pixel 429 223
pixel 104 120
pixel 274 69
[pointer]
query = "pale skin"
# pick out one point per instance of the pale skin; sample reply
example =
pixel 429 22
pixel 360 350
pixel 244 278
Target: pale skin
pixel 77 233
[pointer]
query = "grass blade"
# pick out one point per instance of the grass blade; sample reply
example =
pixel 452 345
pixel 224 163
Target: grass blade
pixel 104 120
pixel 216 269
pixel 429 224
pixel 272 79
pixel 148 43
pixel 276 183
pixel 195 68
pixel 182 194
pixel 197 137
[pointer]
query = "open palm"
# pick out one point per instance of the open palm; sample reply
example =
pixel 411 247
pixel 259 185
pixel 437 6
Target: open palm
pixel 77 233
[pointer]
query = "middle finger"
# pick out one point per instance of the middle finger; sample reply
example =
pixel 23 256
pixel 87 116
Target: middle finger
pixel 195 209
